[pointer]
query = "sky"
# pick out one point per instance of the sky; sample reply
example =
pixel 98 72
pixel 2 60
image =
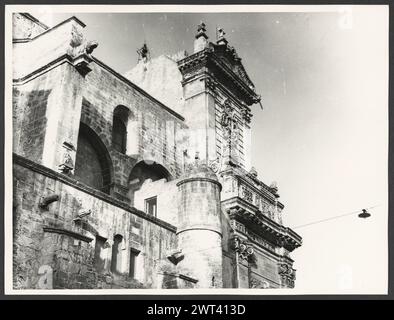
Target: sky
pixel 322 134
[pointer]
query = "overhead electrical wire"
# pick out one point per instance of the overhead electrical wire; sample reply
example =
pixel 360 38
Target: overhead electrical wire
pixel 332 218
pixel 296 227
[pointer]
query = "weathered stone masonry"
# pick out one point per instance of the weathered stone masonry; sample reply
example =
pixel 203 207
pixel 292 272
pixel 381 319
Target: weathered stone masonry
pixel 51 237
pixel 112 188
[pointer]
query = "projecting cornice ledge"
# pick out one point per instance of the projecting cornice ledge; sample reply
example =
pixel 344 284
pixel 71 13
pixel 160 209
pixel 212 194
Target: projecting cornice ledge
pixel 207 57
pixel 264 226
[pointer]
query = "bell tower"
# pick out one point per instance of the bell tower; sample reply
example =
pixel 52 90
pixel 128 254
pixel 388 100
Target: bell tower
pixel 218 95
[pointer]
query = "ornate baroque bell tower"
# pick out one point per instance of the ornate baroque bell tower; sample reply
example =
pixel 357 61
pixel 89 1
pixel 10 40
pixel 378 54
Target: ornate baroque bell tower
pixel 218 95
pixel 218 98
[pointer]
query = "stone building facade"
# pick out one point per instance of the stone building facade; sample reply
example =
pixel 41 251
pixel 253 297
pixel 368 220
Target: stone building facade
pixel 142 180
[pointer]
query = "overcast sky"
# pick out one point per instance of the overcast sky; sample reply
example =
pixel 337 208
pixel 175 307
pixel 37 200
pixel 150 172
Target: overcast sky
pixel 322 134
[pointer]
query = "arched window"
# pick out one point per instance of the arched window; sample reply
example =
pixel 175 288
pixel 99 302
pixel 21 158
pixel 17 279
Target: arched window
pixel 92 164
pixel 119 128
pixel 116 261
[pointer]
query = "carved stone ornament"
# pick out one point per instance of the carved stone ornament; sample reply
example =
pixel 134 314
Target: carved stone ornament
pixel 258 284
pixel 215 165
pixel 228 119
pixel 143 53
pixel 246 114
pixel 244 249
pixel 67 164
pixel 274 187
pixel 246 194
pixel 76 37
pixel 221 33
pixel 84 47
pixel 230 129
pixel 201 30
pixel 287 274
pixel 211 84
pixel 175 256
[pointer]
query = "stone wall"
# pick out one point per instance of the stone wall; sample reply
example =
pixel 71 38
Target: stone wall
pixel 266 268
pixel 153 132
pixel 44 48
pixel 52 250
pixel 50 105
pixel 156 134
pixel 25 26
pixel 89 168
pixel 30 101
pixel 64 101
pixel 161 78
pixel 227 252
pixel 167 199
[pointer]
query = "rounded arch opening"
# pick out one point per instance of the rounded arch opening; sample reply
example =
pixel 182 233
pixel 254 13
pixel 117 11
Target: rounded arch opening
pixel 93 165
pixel 119 128
pixel 143 171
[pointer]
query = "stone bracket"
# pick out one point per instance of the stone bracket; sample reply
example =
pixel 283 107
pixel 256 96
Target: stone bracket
pixel 175 256
pixel 68 233
pixel 81 63
pixel 45 201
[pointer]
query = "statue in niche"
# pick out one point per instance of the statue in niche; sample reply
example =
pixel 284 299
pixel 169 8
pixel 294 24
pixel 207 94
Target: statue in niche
pixel 230 128
pixel 67 164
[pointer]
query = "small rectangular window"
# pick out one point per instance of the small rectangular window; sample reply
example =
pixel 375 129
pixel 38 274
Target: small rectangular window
pixel 151 206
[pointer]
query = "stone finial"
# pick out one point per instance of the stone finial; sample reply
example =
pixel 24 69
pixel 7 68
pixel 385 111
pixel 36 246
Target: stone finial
pixel 220 36
pixel 201 38
pixel 201 31
pixel 253 172
pixel 274 187
pixel 221 33
pixel 143 53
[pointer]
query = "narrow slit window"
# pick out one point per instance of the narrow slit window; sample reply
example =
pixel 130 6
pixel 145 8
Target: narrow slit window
pixel 99 254
pixel 133 263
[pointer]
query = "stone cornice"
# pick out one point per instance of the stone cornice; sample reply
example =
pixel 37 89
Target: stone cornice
pixel 239 201
pixel 264 191
pixel 207 56
pixel 262 225
pixel 73 18
pixel 200 179
pixel 67 58
pixel 29 164
pixel 193 60
pixel 34 19
pixel 236 79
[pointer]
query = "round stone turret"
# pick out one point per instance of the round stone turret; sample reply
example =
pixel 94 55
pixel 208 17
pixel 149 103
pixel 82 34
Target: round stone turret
pixel 199 230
